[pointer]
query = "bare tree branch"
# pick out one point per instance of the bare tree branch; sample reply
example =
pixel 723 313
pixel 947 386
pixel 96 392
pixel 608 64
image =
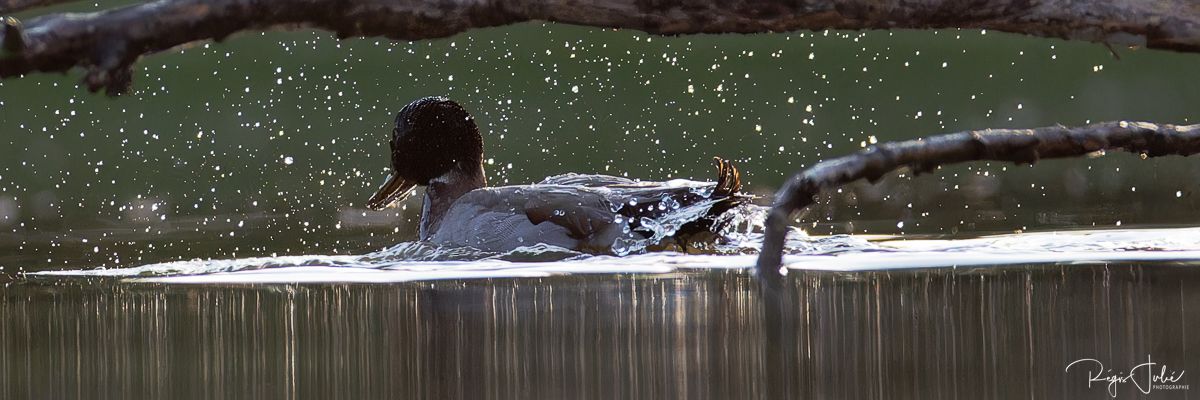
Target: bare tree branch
pixel 922 155
pixel 12 6
pixel 107 43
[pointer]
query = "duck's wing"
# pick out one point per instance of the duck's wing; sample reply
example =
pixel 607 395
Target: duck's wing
pixel 583 213
pixel 504 218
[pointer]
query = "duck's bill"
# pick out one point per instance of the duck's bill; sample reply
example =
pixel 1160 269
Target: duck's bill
pixel 393 191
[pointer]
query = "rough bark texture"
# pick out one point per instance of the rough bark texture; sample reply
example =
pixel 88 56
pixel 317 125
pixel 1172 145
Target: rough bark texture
pixel 107 43
pixel 1021 146
pixel 12 6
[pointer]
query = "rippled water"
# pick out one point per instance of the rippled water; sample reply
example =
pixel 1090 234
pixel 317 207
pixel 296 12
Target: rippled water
pixel 413 261
pixel 842 328
pixel 996 316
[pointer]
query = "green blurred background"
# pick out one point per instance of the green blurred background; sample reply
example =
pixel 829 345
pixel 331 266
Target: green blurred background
pixel 269 143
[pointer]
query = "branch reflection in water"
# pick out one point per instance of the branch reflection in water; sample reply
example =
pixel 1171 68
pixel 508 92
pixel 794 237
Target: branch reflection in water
pixel 986 332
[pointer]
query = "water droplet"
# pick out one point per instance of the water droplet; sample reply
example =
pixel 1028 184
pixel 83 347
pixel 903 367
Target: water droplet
pixel 670 202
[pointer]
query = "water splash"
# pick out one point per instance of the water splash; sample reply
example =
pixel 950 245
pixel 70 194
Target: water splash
pixel 738 242
pixel 423 261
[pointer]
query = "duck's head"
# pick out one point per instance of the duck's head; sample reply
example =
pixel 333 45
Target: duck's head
pixel 435 139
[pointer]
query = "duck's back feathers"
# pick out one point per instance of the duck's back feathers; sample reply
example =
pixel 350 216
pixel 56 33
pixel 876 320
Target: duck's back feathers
pixel 587 212
pixel 504 218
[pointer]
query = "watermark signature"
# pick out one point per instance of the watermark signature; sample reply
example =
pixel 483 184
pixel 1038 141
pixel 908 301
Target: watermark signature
pixel 1146 377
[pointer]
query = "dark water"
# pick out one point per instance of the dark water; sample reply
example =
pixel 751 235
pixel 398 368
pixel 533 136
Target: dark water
pixel 991 332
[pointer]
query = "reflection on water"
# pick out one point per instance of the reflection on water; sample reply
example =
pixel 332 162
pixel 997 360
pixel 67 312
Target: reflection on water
pixel 989 332
pixel 413 261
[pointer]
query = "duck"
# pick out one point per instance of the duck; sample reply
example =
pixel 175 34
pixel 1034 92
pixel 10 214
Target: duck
pixel 436 144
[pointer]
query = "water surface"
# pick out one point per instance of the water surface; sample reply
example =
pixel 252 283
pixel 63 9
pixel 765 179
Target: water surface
pixel 997 316
pixel 981 332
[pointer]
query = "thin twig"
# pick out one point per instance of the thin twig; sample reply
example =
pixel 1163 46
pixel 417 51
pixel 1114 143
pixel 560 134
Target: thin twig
pixel 1021 146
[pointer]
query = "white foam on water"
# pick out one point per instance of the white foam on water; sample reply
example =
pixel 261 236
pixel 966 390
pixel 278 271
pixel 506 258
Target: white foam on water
pixel 419 261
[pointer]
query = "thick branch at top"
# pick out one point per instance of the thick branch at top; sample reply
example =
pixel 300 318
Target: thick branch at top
pixel 107 43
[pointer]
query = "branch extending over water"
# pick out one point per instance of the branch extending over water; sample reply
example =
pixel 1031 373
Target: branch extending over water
pixel 1021 146
pixel 12 6
pixel 107 43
